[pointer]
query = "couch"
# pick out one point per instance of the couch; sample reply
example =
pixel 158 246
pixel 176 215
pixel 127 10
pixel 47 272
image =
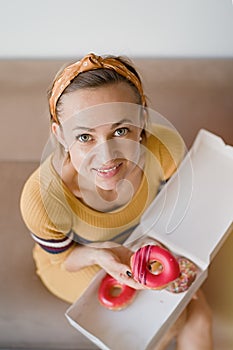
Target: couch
pixel 191 93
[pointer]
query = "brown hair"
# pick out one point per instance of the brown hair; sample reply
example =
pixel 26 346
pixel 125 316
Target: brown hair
pixel 98 77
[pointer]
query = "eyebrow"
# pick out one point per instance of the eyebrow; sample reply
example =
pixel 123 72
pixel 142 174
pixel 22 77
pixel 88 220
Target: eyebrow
pixel 114 125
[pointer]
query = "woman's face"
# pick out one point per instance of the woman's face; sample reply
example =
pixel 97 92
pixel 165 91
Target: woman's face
pixel 102 128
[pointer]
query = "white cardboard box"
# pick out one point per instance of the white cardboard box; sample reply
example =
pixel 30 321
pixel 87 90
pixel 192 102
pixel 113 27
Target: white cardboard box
pixel 191 216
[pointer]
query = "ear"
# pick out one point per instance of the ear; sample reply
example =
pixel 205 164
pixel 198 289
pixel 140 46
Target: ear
pixel 57 131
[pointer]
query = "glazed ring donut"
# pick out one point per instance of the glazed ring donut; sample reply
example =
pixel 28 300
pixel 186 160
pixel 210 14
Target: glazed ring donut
pixel 188 273
pixel 143 259
pixel 114 295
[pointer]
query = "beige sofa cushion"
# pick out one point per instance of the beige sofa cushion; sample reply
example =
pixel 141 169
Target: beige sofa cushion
pixel 192 94
pixel 30 316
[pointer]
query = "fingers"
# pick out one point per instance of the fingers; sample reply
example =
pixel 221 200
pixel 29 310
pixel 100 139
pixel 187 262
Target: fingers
pixel 116 262
pixel 123 275
pixel 129 281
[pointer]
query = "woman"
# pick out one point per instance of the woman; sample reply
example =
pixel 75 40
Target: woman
pixel 89 194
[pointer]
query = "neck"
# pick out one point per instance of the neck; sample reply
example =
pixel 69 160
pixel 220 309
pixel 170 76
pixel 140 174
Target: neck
pixel 108 200
pixel 96 197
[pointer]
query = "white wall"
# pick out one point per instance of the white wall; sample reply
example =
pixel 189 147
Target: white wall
pixel 154 28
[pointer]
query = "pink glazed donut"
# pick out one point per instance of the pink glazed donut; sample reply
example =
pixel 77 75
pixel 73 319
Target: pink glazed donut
pixel 141 262
pixel 118 301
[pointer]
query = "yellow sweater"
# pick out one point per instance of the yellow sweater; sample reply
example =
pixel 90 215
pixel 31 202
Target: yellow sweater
pixel 59 221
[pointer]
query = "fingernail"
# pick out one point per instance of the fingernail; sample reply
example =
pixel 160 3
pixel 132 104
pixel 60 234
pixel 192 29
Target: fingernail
pixel 128 273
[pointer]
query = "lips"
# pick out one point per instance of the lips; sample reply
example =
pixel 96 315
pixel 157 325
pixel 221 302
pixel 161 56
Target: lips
pixel 108 171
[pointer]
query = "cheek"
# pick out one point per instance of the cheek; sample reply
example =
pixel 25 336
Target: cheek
pixel 84 159
pixel 131 150
pixel 77 157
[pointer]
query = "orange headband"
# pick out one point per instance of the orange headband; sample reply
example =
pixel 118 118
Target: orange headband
pixel 90 62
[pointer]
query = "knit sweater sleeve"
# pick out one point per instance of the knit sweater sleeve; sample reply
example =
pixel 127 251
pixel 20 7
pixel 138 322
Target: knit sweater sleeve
pixel 47 218
pixel 169 148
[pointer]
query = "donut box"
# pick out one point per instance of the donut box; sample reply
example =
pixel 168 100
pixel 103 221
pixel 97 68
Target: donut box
pixel 191 216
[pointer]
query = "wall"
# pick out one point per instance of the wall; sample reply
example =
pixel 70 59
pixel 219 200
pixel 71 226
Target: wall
pixel 38 36
pixel 148 28
pixel 190 93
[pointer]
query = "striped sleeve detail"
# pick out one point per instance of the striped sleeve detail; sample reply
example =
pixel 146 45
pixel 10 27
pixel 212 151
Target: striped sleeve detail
pixel 55 246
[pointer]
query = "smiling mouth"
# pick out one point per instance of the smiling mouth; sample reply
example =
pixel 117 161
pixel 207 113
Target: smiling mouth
pixel 108 171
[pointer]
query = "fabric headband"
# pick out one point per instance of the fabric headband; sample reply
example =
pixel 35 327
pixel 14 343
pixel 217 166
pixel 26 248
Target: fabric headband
pixel 90 62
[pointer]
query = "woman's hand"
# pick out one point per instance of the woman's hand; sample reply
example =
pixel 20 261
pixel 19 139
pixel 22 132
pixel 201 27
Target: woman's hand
pixel 112 257
pixel 115 260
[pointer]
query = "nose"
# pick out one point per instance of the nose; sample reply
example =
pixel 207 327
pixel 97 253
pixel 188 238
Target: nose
pixel 106 151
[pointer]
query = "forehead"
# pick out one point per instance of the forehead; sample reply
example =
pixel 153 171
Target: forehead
pixel 82 99
pixel 105 114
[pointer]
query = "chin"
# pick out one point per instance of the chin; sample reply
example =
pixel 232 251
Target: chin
pixel 106 186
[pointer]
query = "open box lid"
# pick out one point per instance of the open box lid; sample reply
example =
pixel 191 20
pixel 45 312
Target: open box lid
pixel 191 216
pixel 194 210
